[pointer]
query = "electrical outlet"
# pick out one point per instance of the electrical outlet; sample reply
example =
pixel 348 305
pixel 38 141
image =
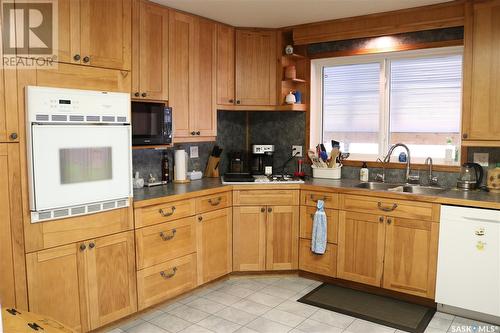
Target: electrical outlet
pixel 297 151
pixel 193 152
pixel 482 159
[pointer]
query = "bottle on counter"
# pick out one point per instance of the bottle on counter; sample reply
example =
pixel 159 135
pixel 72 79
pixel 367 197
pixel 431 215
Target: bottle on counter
pixel 364 172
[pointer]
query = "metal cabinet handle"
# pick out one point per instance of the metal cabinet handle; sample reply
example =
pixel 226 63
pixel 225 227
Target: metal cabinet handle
pixel 465 136
pixel 316 200
pixel 91 245
pixel 13 136
pixel 200 218
pixel 165 214
pixel 83 247
pixel 231 100
pixel 76 57
pixel 166 237
pixel 262 210
pixel 198 133
pixel 144 94
pixel 238 101
pixel 269 210
pixel 215 202
pixel 136 94
pixel 389 220
pixel 193 133
pixel 381 219
pixel 86 59
pixel 387 209
pixel 167 276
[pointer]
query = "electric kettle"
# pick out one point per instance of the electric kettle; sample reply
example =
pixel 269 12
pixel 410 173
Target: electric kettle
pixel 471 176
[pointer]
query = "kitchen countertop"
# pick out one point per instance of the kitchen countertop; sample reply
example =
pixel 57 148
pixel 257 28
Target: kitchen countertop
pixel 146 196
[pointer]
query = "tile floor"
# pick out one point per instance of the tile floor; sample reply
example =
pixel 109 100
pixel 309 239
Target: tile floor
pixel 263 304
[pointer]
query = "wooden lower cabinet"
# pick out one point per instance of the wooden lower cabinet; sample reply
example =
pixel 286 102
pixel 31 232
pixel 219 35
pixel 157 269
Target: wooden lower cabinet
pixel 249 238
pixel 265 238
pixel 282 238
pixel 410 263
pixel 163 281
pixel 84 285
pixel 324 264
pixel 214 244
pixel 361 247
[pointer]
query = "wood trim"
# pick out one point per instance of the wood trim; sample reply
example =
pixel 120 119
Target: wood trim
pixel 393 165
pixel 283 107
pixel 478 143
pixel 444 15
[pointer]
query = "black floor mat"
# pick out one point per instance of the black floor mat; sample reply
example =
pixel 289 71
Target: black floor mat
pixel 375 308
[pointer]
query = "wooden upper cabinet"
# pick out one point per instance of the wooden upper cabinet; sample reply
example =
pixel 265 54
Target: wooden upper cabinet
pixel 150 51
pixel 203 114
pixel 181 44
pixel 225 65
pixel 214 244
pixel 249 238
pixel 95 33
pixel 192 76
pixel 110 267
pixel 54 286
pixel 481 116
pixel 256 60
pixel 411 256
pixel 282 238
pixel 361 247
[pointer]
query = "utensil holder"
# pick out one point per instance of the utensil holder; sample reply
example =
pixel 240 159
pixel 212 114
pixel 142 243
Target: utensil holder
pixel 327 173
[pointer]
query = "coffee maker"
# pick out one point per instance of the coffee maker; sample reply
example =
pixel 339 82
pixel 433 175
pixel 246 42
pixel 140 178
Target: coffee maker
pixel 262 159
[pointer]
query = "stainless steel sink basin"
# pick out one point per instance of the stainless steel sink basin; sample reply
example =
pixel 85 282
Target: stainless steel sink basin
pixel 377 186
pixel 418 189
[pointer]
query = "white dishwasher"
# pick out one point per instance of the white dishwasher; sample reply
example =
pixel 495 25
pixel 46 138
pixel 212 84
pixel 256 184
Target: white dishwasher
pixel 468 275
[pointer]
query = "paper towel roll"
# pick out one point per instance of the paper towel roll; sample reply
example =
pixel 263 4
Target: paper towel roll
pixel 180 165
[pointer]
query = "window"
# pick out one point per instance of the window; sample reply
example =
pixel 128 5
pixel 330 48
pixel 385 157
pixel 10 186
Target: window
pixel 371 102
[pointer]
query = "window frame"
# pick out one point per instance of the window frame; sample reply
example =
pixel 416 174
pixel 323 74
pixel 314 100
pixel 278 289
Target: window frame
pixel 317 66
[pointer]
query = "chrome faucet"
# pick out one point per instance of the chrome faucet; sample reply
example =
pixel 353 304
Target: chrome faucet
pixel 409 178
pixel 433 180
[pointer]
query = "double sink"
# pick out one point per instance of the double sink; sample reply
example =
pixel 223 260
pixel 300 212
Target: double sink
pixel 416 189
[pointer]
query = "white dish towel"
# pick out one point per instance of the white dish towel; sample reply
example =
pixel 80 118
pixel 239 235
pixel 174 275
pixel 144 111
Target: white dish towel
pixel 318 242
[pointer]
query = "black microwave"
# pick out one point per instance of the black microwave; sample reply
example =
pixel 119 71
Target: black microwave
pixel 151 124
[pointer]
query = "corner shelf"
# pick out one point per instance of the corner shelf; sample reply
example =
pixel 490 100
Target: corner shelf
pixel 294 56
pixel 295 80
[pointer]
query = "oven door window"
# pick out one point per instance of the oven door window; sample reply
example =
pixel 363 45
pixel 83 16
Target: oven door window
pixel 88 164
pixel 80 164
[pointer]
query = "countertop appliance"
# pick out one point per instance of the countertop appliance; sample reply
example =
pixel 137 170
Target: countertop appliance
pixel 151 124
pixel 247 178
pixel 471 176
pixel 79 152
pixel 262 159
pixel 236 162
pixel 468 274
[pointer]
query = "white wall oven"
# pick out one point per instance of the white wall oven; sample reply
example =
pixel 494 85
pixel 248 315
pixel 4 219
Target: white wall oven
pixel 79 152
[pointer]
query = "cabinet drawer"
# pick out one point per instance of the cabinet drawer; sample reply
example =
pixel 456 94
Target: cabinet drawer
pixel 265 197
pixel 324 264
pixel 306 223
pixel 166 241
pixel 164 212
pixel 161 282
pixel 213 202
pixel 389 207
pixel 310 198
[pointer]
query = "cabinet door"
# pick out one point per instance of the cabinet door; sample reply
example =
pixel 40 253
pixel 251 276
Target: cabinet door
pixel 361 247
pixel 68 34
pixel 411 256
pixel 111 278
pixel 54 285
pixel 282 238
pixel 181 33
pixel 150 70
pixel 225 65
pixel 105 33
pixel 202 109
pixel 249 238
pixel 481 120
pixel 214 244
pixel 256 67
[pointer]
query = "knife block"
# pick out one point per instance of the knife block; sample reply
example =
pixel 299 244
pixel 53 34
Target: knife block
pixel 212 169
